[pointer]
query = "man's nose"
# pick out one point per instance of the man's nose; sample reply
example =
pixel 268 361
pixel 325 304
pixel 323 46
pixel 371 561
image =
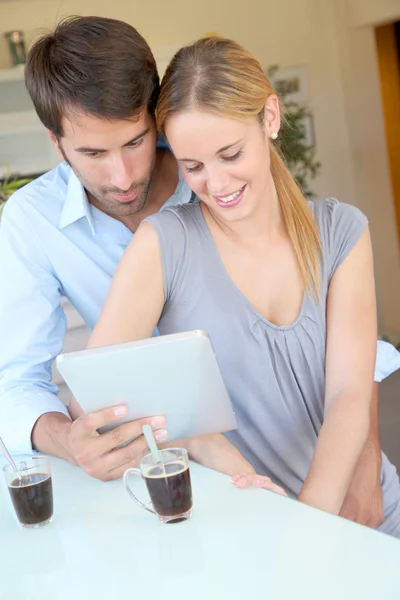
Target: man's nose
pixel 121 175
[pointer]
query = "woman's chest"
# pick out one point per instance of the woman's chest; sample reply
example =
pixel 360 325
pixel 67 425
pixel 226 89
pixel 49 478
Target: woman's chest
pixel 267 279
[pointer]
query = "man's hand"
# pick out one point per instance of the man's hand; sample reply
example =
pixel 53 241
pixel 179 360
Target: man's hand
pixel 80 443
pixel 363 502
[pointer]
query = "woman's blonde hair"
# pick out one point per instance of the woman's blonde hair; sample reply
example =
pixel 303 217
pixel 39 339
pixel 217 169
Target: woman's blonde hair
pixel 218 76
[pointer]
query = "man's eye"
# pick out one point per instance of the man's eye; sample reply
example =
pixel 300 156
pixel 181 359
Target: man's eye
pixel 92 154
pixel 135 144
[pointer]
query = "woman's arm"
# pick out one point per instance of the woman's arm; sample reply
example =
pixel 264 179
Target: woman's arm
pixel 363 502
pixel 350 361
pixel 136 298
pixel 131 312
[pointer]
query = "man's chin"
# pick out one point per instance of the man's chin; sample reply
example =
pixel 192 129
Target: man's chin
pixel 116 208
pixel 122 209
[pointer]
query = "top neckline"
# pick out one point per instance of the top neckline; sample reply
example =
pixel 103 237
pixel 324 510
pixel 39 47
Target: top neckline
pixel 204 227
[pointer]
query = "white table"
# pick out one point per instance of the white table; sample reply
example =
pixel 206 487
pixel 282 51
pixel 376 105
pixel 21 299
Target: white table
pixel 239 544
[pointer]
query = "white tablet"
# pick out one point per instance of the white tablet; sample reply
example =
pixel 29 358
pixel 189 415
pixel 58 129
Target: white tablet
pixel 172 375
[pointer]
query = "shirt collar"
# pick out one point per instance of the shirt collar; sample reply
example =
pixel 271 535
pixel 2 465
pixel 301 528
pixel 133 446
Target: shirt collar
pixel 76 205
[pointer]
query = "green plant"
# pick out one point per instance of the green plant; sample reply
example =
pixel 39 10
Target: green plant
pixel 8 186
pixel 292 142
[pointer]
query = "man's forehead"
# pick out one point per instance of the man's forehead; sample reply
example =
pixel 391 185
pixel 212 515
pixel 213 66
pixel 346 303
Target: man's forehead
pixel 78 125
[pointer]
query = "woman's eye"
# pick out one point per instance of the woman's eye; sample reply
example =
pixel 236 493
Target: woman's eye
pixel 234 156
pixel 193 169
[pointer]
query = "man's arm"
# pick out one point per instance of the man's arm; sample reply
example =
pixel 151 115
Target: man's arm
pixel 32 329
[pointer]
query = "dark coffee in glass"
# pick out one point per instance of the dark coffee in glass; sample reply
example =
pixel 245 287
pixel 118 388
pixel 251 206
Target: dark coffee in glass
pixel 32 497
pixel 31 491
pixel 167 478
pixel 170 488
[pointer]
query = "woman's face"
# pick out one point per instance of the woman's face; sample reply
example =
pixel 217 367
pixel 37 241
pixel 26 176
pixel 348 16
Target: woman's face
pixel 226 162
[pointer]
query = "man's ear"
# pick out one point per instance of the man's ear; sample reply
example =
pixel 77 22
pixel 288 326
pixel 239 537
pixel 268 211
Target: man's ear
pixel 55 142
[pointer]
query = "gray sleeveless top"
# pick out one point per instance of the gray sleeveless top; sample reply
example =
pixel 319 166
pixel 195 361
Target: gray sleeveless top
pixel 274 375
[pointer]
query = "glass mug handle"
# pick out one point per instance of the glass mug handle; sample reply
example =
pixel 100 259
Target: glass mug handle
pixel 127 474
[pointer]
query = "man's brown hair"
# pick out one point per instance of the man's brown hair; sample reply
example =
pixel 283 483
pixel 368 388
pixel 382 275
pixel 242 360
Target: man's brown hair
pixel 100 66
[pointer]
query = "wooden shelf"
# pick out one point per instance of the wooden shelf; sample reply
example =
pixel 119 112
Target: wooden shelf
pixel 25 149
pixel 12 74
pixel 27 168
pixel 26 121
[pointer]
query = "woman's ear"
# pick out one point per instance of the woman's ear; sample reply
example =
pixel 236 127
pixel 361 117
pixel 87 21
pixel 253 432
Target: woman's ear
pixel 272 116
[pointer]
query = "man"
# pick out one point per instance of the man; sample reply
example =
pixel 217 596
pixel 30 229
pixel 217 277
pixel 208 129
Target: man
pixel 94 84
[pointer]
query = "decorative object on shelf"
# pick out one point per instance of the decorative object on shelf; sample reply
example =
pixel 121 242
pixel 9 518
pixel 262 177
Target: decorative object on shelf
pixel 290 82
pixel 16 44
pixel 296 139
pixel 8 186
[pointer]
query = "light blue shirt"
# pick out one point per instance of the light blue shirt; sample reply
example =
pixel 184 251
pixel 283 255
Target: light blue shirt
pixel 387 360
pixel 53 243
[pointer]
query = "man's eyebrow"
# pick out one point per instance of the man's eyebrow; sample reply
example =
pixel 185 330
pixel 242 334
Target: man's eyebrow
pixel 86 149
pixel 223 149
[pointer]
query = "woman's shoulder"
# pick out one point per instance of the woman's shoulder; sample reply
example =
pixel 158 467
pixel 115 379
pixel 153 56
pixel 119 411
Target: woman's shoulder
pixel 333 213
pixel 175 226
pixel 340 227
pixel 336 219
pixel 176 217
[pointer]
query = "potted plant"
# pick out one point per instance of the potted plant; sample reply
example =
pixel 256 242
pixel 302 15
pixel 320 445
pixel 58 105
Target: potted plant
pixel 298 151
pixel 8 186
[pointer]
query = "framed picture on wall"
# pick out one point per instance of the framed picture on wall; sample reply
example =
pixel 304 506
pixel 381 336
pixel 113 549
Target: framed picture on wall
pixel 307 122
pixel 292 83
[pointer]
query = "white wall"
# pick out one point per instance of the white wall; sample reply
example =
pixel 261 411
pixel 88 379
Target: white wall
pixel 287 33
pixel 366 130
pixel 372 12
pixel 316 33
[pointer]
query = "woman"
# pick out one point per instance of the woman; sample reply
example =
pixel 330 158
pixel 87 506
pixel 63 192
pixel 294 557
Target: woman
pixel 285 288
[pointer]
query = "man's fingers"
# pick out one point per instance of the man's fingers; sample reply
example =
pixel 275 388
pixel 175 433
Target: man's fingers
pixel 121 459
pixel 128 431
pixel 118 472
pixel 87 424
pixel 112 465
pixel 98 454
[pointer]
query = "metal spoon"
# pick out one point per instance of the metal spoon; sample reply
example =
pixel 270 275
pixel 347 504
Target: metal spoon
pixel 8 457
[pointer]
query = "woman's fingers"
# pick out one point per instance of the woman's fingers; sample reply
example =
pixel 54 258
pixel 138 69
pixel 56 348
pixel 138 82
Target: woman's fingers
pixel 268 485
pixel 242 480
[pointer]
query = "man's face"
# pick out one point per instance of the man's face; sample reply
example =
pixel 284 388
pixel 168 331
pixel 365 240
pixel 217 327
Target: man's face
pixel 114 160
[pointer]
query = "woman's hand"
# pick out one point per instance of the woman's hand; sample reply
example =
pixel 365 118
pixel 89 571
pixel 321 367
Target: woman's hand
pixel 242 480
pixel 215 452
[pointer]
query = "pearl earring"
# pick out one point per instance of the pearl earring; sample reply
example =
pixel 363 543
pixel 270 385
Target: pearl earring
pixel 274 135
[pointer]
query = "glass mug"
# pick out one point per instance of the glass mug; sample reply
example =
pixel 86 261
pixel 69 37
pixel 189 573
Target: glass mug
pixel 32 492
pixel 168 484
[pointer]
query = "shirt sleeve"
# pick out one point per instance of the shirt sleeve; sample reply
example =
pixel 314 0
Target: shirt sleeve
pixel 341 226
pixel 32 330
pixel 387 360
